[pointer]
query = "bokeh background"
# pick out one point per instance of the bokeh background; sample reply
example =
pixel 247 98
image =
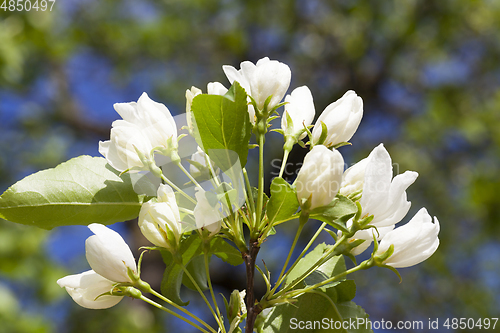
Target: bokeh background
pixel 429 75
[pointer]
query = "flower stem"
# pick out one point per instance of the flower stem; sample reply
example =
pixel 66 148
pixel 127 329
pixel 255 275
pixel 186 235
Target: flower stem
pixel 175 187
pixel 221 325
pixel 209 281
pixel 214 177
pixel 249 194
pixel 283 163
pixel 260 195
pixel 302 221
pixel 183 169
pixel 180 308
pixel 252 309
pixel 161 307
pixel 364 265
pixel 303 251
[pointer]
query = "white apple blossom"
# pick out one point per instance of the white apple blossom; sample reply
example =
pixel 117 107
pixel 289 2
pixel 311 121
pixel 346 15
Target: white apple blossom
pixel 85 288
pixel 413 242
pixel 341 118
pixel 261 80
pixel 300 108
pixel 110 258
pixel 146 126
pixel 159 220
pixel 383 197
pixel 320 176
pixel 108 254
pixel 207 216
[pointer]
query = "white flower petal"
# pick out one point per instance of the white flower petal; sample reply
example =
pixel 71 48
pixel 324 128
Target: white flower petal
pixel 216 88
pixel 320 176
pixel 145 125
pixel 413 243
pixel 266 78
pixel 85 288
pixel 300 108
pixel 206 216
pixel 342 119
pixel 108 254
pixel 158 220
pixel 378 175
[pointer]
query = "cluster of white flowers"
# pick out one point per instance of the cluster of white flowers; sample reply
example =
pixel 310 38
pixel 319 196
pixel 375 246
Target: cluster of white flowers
pixel 322 176
pixel 148 128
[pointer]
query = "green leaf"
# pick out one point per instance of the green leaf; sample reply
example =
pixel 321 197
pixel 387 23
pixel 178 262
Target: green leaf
pixel 346 290
pixel 352 311
pixel 330 268
pixel 81 191
pixel 196 268
pixel 172 279
pixel 226 251
pixel 283 202
pixel 190 247
pixel 322 307
pixel 314 313
pixel 222 126
pixel 337 213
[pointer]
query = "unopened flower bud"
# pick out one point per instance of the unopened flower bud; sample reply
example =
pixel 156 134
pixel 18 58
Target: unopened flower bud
pixel 300 109
pixel 159 220
pixel 319 177
pixel 341 118
pixel 108 254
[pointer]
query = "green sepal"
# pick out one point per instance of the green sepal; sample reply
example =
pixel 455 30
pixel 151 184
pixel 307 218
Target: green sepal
pixel 355 196
pixel 278 105
pixel 395 271
pixel 341 144
pixel 324 133
pixel 278 130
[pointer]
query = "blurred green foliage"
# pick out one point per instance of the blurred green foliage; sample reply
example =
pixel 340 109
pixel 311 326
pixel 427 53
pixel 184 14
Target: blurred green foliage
pixel 428 72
